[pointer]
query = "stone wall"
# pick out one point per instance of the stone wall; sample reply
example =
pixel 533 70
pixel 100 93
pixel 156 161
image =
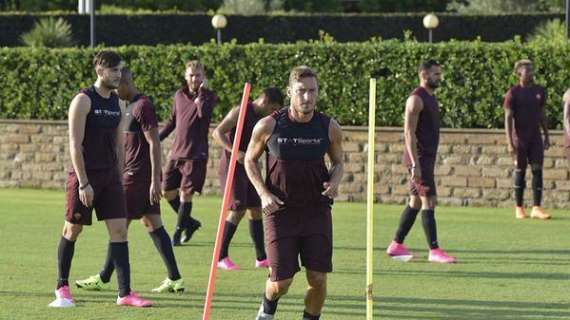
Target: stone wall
pixel 473 167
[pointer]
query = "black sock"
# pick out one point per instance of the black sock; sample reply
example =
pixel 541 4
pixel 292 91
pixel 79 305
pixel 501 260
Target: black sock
pixel 175 204
pixel 428 221
pixel 269 307
pixel 65 252
pixel 407 220
pixel 120 257
pixel 229 231
pixel 308 316
pixel 164 246
pixel 108 267
pixel 256 233
pixel 519 184
pixel 537 185
pixel 184 215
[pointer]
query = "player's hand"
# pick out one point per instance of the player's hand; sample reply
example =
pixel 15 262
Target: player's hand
pixel 331 189
pixel 155 193
pixel 512 149
pixel 241 157
pixel 204 84
pixel 86 196
pixel 416 174
pixel 270 203
pixel 546 143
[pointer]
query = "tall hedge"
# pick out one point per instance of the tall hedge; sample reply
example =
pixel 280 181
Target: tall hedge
pixel 152 29
pixel 39 83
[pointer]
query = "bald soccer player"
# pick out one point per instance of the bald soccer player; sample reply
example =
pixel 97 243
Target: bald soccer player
pixel 297 197
pixel 244 196
pixel 141 184
pixel 185 171
pixel 524 117
pixel 94 180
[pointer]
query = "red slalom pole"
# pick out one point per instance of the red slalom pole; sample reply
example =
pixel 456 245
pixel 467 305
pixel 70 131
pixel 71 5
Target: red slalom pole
pixel 226 203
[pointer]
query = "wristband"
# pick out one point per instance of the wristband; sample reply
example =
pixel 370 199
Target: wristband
pixel 84 186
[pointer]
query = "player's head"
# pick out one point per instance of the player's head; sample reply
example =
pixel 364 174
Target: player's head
pixel 194 74
pixel 430 73
pixel 303 89
pixel 272 99
pixel 524 69
pixel 126 85
pixel 108 65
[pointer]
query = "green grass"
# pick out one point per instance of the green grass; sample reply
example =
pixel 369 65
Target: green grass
pixel 508 269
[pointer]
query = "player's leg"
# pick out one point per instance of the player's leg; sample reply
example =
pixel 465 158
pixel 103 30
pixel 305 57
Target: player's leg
pixel 315 295
pixel 231 224
pixel 519 184
pixel 161 240
pixel 536 159
pixel 257 235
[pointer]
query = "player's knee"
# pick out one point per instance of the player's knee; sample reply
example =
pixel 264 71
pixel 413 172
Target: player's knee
pixel 170 194
pixel 255 214
pixel 118 233
pixel 537 181
pixel 317 280
pixel 415 202
pixel 519 179
pixel 281 288
pixel 186 196
pixel 235 216
pixel 72 231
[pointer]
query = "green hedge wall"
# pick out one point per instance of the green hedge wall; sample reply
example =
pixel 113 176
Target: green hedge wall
pixel 152 29
pixel 39 83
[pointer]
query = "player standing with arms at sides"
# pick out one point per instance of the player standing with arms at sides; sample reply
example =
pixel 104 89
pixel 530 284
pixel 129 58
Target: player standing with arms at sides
pixel 421 133
pixel 524 117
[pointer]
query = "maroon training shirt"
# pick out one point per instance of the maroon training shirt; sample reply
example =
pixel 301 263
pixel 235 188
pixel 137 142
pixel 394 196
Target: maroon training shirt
pixel 191 116
pixel 527 104
pixel 140 117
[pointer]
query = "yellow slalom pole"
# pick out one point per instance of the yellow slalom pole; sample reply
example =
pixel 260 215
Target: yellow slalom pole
pixel 370 202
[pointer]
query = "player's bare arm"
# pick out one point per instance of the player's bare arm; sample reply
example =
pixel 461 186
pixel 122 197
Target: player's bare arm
pixel 220 132
pixel 78 110
pixel 544 126
pixel 414 107
pixel 261 133
pixel 566 121
pixel 120 147
pixel 153 140
pixel 509 125
pixel 335 154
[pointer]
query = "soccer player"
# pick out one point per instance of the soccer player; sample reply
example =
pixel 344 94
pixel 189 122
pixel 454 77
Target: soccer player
pixel 524 117
pixel 296 199
pixel 244 195
pixel 421 133
pixel 94 180
pixel 185 171
pixel 141 183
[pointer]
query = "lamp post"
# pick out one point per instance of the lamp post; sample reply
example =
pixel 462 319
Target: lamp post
pixel 431 22
pixel 219 22
pixel 88 7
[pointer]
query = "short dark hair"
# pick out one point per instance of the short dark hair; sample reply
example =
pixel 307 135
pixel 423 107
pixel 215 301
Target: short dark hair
pixel 274 95
pixel 107 59
pixel 126 74
pixel 427 64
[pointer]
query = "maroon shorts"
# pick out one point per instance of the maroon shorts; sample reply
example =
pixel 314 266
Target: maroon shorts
pixel 299 233
pixel 243 193
pixel 426 186
pixel 529 152
pixel 137 195
pixel 108 200
pixel 188 175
